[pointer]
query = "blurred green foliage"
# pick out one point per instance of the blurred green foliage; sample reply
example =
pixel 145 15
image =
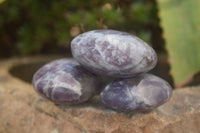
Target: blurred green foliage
pixel 33 26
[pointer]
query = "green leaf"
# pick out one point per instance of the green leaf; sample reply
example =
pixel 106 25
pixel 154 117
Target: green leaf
pixel 180 20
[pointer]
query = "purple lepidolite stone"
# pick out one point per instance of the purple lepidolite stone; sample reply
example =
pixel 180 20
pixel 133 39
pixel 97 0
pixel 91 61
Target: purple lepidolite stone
pixel 65 81
pixel 113 53
pixel 141 93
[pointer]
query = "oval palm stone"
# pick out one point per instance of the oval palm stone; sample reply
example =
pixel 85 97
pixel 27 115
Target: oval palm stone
pixel 141 93
pixel 65 81
pixel 113 53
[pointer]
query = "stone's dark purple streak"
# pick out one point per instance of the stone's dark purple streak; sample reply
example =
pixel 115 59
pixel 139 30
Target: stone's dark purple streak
pixel 65 81
pixel 143 92
pixel 113 53
pixel 65 95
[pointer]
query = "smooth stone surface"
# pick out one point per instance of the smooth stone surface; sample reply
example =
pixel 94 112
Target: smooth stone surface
pixel 24 111
pixel 65 81
pixel 141 93
pixel 113 53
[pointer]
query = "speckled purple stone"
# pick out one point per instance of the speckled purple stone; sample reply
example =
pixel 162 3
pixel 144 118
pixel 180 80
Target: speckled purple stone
pixel 65 81
pixel 113 53
pixel 141 93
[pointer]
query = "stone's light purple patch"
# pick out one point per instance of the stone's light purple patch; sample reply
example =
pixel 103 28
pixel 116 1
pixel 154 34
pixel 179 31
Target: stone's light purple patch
pixel 141 93
pixel 113 53
pixel 65 81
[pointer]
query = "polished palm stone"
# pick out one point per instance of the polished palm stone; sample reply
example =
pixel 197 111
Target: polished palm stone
pixel 141 93
pixel 113 53
pixel 65 81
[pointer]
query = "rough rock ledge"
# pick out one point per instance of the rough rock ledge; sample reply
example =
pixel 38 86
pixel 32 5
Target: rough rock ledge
pixel 22 110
